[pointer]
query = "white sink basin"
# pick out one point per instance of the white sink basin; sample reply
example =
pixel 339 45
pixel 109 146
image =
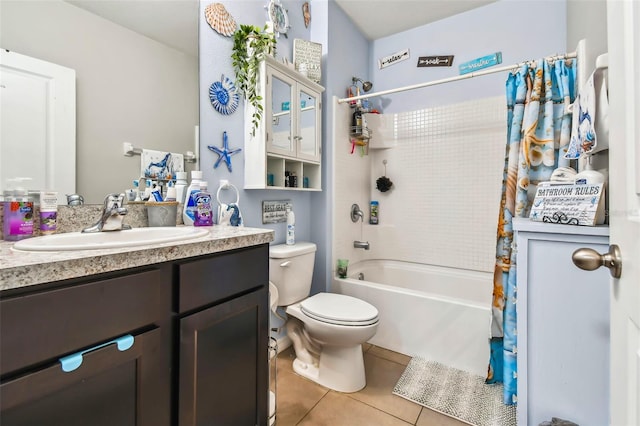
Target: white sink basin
pixel 73 241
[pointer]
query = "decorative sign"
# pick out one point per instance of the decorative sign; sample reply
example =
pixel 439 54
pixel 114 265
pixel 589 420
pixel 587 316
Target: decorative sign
pixel 275 211
pixel 309 53
pixel 480 63
pixel 435 61
pixel 569 204
pixel 393 59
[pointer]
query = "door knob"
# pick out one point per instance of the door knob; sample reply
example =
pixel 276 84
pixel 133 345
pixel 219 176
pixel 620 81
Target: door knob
pixel 589 260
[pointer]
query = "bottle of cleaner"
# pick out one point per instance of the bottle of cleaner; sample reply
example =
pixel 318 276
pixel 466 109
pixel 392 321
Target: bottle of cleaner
pixel 181 186
pixel 188 212
pixel 18 215
pixel 291 226
pixel 203 213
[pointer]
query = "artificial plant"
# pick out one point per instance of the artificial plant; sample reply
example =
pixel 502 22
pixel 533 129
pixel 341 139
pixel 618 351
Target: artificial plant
pixel 250 44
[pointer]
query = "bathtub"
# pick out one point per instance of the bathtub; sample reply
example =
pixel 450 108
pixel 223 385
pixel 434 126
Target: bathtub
pixel 437 313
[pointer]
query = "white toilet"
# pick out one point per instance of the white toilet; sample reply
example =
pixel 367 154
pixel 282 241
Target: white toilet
pixel 327 330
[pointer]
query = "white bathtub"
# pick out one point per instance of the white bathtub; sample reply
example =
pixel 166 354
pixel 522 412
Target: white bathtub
pixel 438 313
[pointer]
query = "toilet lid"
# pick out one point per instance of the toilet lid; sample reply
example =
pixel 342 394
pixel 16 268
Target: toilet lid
pixel 339 309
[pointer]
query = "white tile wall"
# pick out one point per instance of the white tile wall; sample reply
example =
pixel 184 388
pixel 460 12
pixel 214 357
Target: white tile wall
pixel 446 167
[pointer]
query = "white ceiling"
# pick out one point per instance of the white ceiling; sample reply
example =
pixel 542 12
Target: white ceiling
pixel 175 22
pixel 171 22
pixel 381 18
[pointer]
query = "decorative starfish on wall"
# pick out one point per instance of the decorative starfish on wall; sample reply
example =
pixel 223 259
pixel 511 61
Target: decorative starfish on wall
pixel 225 153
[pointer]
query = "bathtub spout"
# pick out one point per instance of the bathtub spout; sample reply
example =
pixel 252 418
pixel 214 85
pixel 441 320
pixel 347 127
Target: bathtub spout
pixel 361 244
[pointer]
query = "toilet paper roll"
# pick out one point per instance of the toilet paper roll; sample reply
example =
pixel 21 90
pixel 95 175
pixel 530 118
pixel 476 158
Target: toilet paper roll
pixel 273 297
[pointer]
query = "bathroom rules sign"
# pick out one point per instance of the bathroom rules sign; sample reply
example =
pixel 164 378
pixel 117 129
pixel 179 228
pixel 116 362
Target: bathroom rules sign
pixel 569 204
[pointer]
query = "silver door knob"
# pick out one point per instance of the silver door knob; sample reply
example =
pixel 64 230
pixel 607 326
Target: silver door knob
pixel 589 260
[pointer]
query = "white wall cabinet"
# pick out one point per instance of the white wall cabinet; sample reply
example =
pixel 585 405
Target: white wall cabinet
pixel 288 140
pixel 563 325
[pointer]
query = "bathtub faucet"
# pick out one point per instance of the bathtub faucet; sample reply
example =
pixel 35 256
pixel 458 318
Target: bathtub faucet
pixel 361 244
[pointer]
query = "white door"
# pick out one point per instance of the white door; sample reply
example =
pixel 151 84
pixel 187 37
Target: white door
pixel 624 94
pixel 38 116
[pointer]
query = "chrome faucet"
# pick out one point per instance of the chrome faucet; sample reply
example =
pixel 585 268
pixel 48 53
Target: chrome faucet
pixel 361 244
pixel 356 213
pixel 112 215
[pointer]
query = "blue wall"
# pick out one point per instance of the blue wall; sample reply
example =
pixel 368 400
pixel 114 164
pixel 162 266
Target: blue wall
pixel 215 60
pixel 520 29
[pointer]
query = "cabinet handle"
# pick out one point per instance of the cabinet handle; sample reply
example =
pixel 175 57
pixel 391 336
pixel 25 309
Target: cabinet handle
pixel 73 361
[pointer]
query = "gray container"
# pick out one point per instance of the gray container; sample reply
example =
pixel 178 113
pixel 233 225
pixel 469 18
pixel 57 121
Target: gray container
pixel 163 213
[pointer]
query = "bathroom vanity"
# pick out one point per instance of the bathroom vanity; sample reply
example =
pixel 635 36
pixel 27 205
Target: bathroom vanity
pixel 196 315
pixel 563 325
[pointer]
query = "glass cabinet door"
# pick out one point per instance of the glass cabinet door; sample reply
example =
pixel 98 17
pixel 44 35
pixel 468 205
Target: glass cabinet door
pixel 307 131
pixel 279 116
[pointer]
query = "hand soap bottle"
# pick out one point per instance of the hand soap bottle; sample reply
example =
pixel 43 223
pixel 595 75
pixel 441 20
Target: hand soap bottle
pixel 18 215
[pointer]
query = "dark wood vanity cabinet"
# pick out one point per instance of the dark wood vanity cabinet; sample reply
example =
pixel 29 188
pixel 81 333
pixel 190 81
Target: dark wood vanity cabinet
pixel 223 327
pixel 199 355
pixel 110 386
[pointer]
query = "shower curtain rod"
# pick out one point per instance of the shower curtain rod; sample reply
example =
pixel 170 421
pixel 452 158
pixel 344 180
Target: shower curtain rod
pixel 456 78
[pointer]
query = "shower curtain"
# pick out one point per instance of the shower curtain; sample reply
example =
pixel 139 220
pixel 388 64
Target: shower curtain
pixel 538 130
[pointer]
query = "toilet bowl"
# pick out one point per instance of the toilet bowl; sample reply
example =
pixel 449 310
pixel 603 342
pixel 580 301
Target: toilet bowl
pixel 327 330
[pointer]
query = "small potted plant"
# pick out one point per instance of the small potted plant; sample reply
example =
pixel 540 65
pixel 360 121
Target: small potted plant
pixel 250 44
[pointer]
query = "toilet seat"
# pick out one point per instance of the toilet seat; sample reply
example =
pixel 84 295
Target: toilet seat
pixel 339 309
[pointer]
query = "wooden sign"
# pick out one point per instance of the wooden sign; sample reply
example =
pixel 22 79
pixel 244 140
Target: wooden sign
pixel 435 61
pixel 309 53
pixel 400 56
pixel 569 204
pixel 275 211
pixel 481 63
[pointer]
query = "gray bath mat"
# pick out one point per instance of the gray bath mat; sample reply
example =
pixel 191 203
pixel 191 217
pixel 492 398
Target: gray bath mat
pixel 455 393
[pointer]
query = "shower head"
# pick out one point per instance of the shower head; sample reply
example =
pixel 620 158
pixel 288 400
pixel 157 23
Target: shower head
pixel 366 85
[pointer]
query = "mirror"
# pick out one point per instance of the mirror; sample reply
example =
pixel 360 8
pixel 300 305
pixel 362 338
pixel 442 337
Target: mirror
pixel 281 107
pixel 308 143
pixel 136 67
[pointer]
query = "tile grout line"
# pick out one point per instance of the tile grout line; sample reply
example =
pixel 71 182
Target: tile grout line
pixel 314 406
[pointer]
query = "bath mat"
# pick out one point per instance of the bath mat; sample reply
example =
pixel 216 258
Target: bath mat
pixel 454 393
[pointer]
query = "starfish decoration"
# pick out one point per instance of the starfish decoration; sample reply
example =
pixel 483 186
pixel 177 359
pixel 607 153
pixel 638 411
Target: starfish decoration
pixel 225 153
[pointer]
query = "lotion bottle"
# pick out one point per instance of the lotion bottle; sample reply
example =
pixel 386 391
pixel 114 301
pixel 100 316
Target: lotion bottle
pixel 291 226
pixel 48 212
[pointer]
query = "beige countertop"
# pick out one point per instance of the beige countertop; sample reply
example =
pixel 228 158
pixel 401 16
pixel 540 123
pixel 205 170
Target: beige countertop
pixel 21 269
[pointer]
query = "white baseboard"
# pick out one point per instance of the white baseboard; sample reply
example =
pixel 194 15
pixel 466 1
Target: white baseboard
pixel 283 343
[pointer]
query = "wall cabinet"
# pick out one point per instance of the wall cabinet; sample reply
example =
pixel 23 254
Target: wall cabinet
pixel 199 353
pixel 563 325
pixel 288 140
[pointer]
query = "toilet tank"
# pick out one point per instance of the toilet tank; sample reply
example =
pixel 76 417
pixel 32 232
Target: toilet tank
pixel 291 270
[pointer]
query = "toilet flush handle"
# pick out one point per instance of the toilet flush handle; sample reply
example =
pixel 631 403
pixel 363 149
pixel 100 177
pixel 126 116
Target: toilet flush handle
pixel 285 264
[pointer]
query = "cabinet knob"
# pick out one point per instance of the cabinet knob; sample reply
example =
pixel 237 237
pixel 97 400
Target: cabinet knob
pixel 590 260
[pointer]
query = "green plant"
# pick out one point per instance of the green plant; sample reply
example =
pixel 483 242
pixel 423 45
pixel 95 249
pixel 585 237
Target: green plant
pixel 250 44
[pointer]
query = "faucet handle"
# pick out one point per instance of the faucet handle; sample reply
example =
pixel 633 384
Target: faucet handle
pixel 113 200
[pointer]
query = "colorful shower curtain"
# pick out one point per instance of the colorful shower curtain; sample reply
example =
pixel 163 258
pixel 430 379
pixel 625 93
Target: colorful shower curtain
pixel 538 129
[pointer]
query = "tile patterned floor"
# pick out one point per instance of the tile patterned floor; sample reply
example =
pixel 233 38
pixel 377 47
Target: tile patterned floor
pixel 305 403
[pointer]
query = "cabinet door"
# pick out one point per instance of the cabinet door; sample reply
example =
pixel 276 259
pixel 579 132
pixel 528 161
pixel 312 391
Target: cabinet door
pixel 110 387
pixel 224 363
pixel 308 124
pixel 279 114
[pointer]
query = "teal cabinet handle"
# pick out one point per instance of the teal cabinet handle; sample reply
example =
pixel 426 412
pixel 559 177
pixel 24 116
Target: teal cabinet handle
pixel 73 361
